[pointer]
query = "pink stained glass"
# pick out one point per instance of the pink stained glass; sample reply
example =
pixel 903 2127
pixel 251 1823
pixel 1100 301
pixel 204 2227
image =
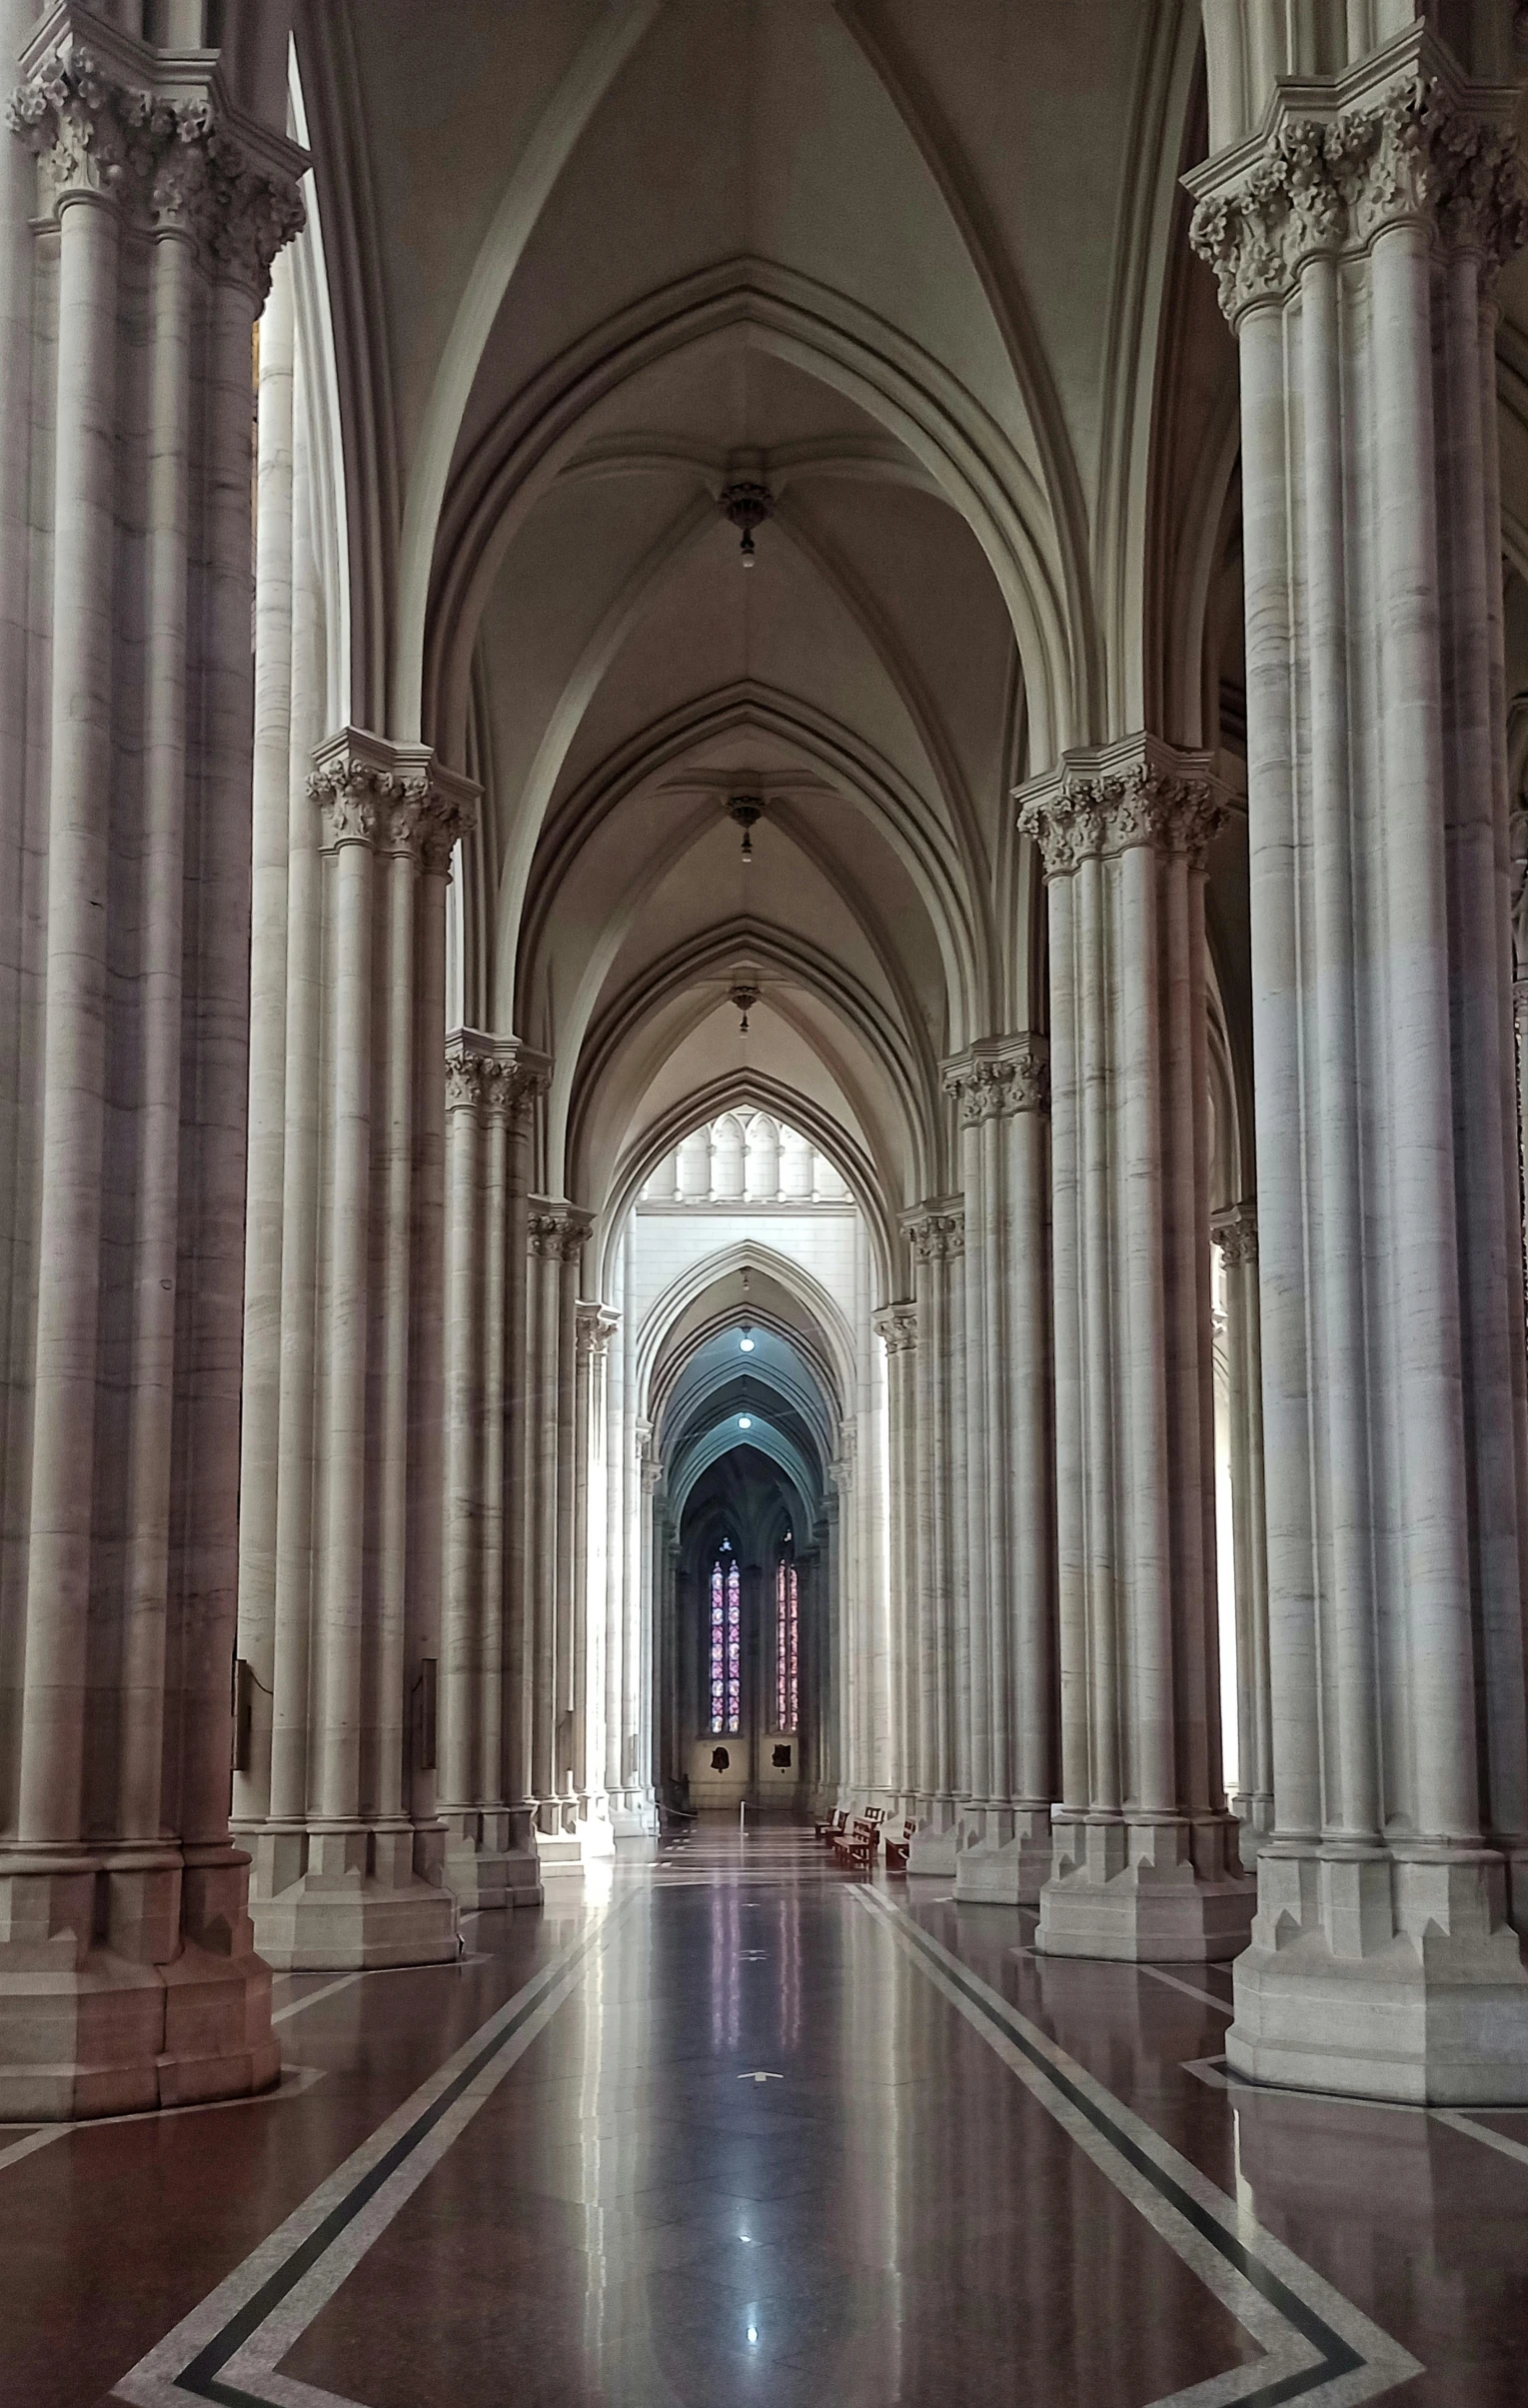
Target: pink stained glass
pixel 733 1649
pixel 718 1649
pixel 725 1662
pixel 786 1646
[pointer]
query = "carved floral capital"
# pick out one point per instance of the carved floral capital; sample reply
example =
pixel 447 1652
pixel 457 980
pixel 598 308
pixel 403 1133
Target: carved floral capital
pixel 937 1236
pixel 172 160
pixel 1234 1232
pixel 1330 181
pixel 897 1328
pixel 1140 795
pixel 999 1078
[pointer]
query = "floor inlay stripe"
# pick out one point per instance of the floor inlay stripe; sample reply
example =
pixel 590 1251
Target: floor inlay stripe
pixel 227 2350
pixel 1319 2348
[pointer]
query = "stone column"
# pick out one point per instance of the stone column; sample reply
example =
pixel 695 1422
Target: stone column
pixel 1146 1863
pixel 1000 1091
pixel 486 1080
pixel 597 1325
pixel 347 1868
pixel 1356 238
pixel 1234 1232
pixel 127 1977
pixel 556 1236
pixel 524 1871
pixel 897 1328
pixel 937 1236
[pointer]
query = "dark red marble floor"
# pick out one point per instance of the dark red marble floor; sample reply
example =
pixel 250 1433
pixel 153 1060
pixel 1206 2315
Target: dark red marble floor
pixel 943 2199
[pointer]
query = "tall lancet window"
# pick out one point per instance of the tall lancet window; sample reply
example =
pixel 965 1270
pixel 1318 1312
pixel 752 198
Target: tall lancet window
pixel 787 1640
pixel 726 1641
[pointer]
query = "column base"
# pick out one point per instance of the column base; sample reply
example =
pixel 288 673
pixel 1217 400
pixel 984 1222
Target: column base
pixel 1169 1892
pixel 1253 1809
pixel 170 2008
pixel 937 1842
pixel 572 1833
pixel 1005 1857
pixel 1383 1976
pixel 350 1897
pixel 634 1813
pixel 482 1866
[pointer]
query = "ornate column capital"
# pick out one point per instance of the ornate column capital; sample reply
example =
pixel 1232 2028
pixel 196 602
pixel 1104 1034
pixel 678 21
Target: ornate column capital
pixel 1104 800
pixel 498 1072
pixel 937 1232
pixel 1235 1231
pixel 597 1325
pixel 109 118
pixel 896 1327
pixel 557 1233
pixel 397 797
pixel 1402 139
pixel 999 1076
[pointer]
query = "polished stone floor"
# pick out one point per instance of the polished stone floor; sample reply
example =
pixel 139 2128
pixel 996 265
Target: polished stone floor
pixel 733 2127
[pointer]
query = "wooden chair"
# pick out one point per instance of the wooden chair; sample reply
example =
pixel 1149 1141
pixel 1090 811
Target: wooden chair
pixel 896 1849
pixel 857 1848
pixel 833 1828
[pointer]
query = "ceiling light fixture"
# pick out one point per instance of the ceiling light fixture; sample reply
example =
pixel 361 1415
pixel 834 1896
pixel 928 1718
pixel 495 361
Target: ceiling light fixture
pixel 746 1341
pixel 747 504
pixel 744 998
pixel 747 810
pixel 743 1421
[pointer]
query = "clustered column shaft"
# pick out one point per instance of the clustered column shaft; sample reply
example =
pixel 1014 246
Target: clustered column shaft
pixel 1146 1860
pixel 999 1090
pixel 127 1978
pixel 1356 240
pixel 338 1802
pixel 489 1860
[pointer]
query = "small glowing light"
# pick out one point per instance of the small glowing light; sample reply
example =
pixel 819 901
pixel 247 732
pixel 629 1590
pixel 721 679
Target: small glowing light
pixel 753 2332
pixel 746 1345
pixel 743 1421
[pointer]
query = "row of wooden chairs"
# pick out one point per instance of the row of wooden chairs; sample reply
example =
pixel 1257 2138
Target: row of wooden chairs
pixel 854 1843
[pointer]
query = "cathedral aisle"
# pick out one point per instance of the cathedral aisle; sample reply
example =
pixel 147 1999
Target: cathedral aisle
pixel 742 2128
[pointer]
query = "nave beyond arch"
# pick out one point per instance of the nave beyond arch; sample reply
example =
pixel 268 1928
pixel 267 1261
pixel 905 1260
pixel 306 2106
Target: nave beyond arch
pixel 843 958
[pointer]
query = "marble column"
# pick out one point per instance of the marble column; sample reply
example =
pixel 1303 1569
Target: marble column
pixel 1356 237
pixel 897 1328
pixel 1234 1232
pixel 348 1854
pixel 1000 1093
pixel 141 256
pixel 935 1235
pixel 595 1326
pixel 1147 1858
pixel 488 1862
pixel 555 1236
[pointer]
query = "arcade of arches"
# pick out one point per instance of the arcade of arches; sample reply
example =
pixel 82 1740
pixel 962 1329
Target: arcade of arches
pixel 789 1091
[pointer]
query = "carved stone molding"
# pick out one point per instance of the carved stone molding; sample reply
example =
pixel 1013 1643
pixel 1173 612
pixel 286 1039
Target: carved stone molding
pixel 1234 1232
pixel 179 161
pixel 558 1232
pixel 595 1326
pixel 395 797
pixel 937 1235
pixel 1138 793
pixel 497 1074
pixel 999 1076
pixel 897 1328
pixel 1344 163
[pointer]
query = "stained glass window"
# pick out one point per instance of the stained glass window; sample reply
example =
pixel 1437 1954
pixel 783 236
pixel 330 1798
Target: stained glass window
pixel 788 1643
pixel 725 1642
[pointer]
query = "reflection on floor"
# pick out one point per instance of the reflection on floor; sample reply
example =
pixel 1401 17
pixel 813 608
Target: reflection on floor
pixel 741 2128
